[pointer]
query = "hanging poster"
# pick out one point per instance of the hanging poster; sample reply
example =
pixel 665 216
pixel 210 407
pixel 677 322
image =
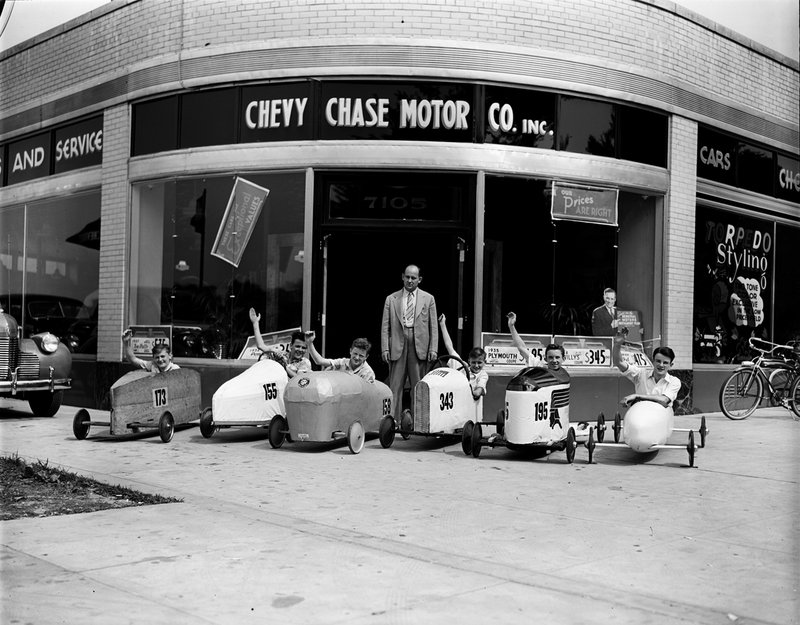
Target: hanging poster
pixel 239 220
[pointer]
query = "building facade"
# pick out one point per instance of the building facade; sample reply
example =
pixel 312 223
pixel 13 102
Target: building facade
pixel 525 156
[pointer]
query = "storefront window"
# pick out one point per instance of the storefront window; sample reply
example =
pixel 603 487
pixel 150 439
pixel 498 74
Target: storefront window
pixel 176 281
pixel 733 284
pixel 49 281
pixel 525 272
pixel 787 283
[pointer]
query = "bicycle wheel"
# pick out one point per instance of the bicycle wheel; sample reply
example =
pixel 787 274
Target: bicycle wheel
pixel 780 380
pixel 794 397
pixel 741 393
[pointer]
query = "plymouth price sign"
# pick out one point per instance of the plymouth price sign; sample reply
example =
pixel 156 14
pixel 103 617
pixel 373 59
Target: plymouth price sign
pixel 501 351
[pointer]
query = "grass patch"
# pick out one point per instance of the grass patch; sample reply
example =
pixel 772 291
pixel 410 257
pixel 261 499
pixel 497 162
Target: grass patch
pixel 39 490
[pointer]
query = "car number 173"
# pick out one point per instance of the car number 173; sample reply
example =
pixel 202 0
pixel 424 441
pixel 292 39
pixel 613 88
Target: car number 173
pixel 160 397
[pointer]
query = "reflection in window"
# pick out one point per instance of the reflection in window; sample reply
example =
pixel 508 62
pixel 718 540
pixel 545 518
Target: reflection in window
pixel 175 280
pixel 60 272
pixel 586 127
pixel 524 272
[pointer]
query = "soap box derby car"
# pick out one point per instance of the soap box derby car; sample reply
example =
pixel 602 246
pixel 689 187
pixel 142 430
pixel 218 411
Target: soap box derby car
pixel 35 369
pixel 143 400
pixel 252 398
pixel 443 402
pixel 646 428
pixel 536 416
pixel 328 405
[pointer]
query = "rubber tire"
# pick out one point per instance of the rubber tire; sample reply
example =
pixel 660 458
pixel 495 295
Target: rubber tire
pixel 466 438
pixel 500 422
pixel 166 427
pixel 794 397
pixel 590 445
pixel 781 381
pixel 703 431
pixel 80 424
pixel 569 446
pixel 207 423
pixel 44 403
pixel 728 392
pixel 601 427
pixel 386 432
pixel 477 435
pixel 690 448
pixel 355 437
pixel 617 427
pixel 406 424
pixel 277 429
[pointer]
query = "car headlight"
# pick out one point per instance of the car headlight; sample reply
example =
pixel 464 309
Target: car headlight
pixel 49 342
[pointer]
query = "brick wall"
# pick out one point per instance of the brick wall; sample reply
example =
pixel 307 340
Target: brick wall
pixel 114 251
pixel 679 230
pixel 647 36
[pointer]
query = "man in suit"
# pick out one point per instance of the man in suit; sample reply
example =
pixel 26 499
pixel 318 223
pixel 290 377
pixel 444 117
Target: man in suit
pixel 604 318
pixel 409 335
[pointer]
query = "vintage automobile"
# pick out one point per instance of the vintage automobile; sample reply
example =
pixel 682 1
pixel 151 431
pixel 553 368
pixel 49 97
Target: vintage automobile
pixel 443 402
pixel 35 369
pixel 252 398
pixel 536 416
pixel 142 400
pixel 329 405
pixel 646 428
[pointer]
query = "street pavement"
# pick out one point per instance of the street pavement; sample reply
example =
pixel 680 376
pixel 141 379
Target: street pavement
pixel 418 533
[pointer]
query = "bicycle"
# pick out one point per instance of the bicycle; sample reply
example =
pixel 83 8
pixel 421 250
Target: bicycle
pixel 776 368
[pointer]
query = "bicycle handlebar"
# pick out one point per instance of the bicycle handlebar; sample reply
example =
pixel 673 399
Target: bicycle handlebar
pixel 768 347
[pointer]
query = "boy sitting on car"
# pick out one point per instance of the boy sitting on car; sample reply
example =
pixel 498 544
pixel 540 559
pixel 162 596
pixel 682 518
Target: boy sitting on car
pixel 476 359
pixel 162 356
pixel 356 364
pixel 295 362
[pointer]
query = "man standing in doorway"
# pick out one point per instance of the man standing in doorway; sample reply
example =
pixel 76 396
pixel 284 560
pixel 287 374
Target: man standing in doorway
pixel 409 335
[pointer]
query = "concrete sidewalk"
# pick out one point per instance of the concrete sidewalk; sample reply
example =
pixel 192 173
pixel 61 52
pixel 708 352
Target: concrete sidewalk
pixel 419 533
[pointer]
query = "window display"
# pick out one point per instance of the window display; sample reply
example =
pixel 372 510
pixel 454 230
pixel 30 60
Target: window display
pixel 553 274
pixel 176 281
pixel 48 281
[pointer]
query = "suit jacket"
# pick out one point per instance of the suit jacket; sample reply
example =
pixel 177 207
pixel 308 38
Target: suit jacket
pixel 601 322
pixel 426 325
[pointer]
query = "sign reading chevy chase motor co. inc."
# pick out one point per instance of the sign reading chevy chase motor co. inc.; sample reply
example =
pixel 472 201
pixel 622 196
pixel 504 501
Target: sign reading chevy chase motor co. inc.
pixel 588 204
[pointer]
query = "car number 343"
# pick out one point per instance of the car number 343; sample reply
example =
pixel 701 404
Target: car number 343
pixel 446 401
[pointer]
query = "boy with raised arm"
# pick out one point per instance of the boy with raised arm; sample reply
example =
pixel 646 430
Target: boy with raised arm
pixel 657 385
pixel 553 353
pixel 478 377
pixel 356 364
pixel 295 360
pixel 162 356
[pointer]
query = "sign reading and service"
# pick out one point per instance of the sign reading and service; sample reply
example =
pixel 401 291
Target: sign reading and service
pixel 587 204
pixel 239 221
pixel 62 149
pixel 79 145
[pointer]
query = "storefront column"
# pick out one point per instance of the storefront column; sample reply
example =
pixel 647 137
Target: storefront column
pixel 680 207
pixel 113 228
pixel 679 240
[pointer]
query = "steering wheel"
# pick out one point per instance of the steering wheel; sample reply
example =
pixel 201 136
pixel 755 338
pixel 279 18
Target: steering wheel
pixel 441 361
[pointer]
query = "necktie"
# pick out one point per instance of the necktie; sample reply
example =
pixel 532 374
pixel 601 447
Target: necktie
pixel 409 316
